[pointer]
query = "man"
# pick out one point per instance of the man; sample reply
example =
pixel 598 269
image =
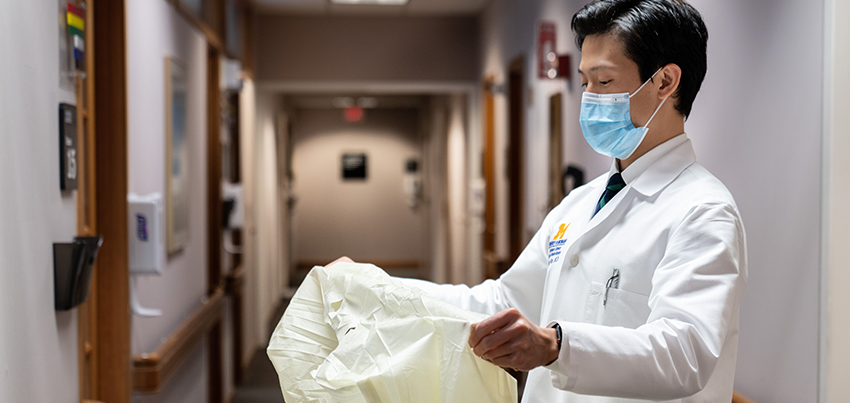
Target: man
pixel 631 287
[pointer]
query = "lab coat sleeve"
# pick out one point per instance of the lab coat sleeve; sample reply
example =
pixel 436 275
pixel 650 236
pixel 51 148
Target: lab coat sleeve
pixel 696 291
pixel 519 287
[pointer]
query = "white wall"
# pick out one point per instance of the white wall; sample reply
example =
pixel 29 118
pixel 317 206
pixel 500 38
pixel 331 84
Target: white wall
pixel 435 188
pixel 457 181
pixel 154 31
pixel 836 218
pixel 367 220
pixel 264 259
pixel 756 125
pixel 758 129
pixel 38 346
pixel 270 268
pixel 252 323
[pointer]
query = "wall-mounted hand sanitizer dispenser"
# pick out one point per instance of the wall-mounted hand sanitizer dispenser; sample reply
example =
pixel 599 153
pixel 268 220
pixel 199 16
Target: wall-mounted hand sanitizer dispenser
pixel 147 244
pixel 147 233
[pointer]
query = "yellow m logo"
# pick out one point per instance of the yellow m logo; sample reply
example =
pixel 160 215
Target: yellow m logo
pixel 561 231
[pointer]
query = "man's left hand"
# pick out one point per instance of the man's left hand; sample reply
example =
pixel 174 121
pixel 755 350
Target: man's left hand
pixel 509 340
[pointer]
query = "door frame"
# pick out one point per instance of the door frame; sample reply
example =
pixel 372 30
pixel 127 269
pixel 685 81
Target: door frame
pixel 108 376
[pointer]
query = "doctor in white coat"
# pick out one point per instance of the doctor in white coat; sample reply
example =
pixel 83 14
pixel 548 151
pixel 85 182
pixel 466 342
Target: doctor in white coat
pixel 630 290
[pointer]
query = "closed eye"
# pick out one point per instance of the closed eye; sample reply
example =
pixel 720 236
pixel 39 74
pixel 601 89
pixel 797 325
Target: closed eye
pixel 605 82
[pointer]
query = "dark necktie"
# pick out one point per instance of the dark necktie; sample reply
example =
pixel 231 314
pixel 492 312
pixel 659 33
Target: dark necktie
pixel 615 184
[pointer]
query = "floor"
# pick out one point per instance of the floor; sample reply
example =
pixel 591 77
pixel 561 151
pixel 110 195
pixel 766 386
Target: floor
pixel 260 384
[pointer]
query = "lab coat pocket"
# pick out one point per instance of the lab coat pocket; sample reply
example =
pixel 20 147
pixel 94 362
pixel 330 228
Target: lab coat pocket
pixel 622 308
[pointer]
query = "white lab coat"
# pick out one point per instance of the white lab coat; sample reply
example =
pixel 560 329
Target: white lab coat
pixel 670 331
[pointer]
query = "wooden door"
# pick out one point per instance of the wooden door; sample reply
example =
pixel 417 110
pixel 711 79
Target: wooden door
pixel 515 160
pixel 493 265
pixel 556 192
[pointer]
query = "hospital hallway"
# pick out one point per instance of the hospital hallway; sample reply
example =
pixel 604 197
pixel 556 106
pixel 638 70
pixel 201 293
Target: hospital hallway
pixel 172 171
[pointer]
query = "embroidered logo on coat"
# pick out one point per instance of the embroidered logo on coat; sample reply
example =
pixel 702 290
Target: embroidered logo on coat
pixel 561 231
pixel 557 243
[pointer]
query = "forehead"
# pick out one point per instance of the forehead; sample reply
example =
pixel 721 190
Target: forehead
pixel 604 52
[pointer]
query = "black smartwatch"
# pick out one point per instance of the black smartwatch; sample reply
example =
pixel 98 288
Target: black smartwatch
pixel 558 334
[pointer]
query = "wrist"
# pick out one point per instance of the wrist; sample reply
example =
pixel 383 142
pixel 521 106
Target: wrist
pixel 555 337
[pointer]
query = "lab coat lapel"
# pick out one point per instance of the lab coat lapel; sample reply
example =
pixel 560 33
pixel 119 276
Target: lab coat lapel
pixel 667 168
pixel 656 177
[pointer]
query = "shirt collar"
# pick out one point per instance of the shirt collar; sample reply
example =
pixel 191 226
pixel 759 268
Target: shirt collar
pixel 633 175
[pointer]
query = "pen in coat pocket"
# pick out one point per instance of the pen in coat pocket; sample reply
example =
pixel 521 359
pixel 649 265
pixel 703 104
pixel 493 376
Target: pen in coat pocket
pixel 613 282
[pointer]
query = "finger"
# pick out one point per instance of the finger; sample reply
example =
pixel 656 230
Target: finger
pixel 506 361
pixel 492 341
pixel 502 350
pixel 345 259
pixel 491 324
pixel 511 356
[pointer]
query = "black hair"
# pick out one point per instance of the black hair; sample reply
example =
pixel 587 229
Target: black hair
pixel 654 33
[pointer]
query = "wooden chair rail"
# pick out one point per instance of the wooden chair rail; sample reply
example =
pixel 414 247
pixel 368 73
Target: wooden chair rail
pixel 152 370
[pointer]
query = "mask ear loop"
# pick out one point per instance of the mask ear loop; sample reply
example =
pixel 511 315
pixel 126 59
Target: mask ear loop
pixel 645 83
pixel 659 106
pixel 654 113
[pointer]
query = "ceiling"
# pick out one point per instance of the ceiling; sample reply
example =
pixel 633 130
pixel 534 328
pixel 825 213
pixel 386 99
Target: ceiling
pixel 413 7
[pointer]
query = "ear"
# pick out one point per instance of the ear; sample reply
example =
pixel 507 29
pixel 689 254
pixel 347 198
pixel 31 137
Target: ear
pixel 671 75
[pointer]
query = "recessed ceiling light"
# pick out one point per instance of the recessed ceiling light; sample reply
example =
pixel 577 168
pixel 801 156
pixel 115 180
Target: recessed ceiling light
pixel 371 2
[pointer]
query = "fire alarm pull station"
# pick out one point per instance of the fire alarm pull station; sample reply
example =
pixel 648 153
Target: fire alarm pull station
pixel 67 147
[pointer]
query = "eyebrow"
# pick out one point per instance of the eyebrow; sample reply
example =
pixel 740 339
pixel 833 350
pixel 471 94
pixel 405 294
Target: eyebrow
pixel 595 68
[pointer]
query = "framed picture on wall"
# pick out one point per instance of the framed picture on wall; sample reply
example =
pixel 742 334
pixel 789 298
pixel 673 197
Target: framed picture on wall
pixel 354 166
pixel 176 157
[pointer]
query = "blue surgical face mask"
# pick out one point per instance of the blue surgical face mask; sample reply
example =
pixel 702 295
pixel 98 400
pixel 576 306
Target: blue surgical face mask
pixel 606 122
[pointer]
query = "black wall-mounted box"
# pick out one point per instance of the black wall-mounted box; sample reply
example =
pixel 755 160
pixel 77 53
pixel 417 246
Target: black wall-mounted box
pixel 72 270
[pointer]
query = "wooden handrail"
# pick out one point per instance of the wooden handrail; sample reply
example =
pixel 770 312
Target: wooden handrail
pixel 152 370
